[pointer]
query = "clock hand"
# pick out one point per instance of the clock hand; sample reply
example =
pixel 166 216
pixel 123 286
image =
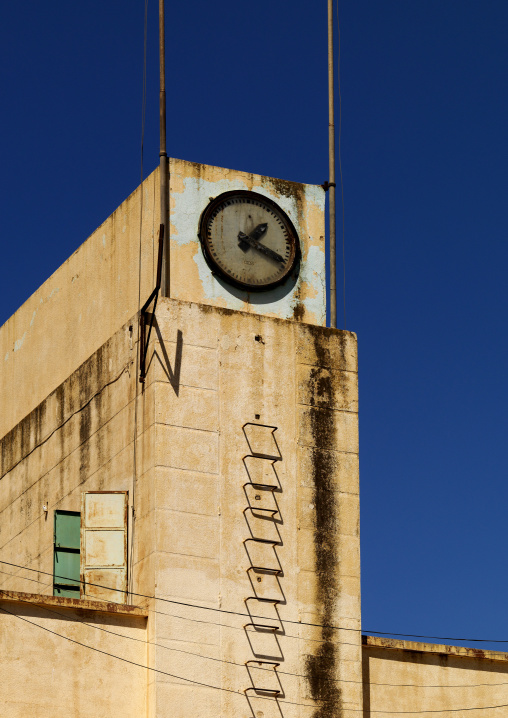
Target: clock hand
pixel 259 231
pixel 248 239
pixel 255 234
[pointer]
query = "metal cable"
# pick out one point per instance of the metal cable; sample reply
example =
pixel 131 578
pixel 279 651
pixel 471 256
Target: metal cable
pixel 340 170
pixel 241 693
pixel 182 603
pixel 134 456
pixel 248 615
pixel 242 665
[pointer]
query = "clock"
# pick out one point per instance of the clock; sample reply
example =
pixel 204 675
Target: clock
pixel 249 241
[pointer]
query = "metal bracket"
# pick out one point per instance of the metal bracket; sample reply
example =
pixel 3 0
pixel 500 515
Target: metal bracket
pixel 263 627
pixel 252 509
pixel 256 454
pixel 144 340
pixel 260 665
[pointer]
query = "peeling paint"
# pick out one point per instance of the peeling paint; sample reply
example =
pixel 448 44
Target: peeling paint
pixel 196 195
pixel 313 272
pixel 108 281
pixel 41 301
pixel 19 343
pixel 301 298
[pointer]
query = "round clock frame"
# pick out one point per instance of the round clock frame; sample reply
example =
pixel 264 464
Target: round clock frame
pixel 274 213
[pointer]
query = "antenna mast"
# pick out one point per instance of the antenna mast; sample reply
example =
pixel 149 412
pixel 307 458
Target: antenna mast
pixel 164 168
pixel 331 179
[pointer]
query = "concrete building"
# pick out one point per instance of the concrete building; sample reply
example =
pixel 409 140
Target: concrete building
pixel 189 545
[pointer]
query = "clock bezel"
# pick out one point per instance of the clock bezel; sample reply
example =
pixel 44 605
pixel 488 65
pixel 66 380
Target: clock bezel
pixel 218 270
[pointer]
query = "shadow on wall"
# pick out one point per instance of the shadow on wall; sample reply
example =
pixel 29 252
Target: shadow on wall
pixel 172 371
pixel 266 297
pixel 264 522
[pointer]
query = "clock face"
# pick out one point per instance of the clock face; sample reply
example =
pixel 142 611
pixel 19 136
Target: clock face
pixel 248 240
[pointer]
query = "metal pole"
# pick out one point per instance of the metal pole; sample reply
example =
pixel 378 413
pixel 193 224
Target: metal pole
pixel 164 167
pixel 331 179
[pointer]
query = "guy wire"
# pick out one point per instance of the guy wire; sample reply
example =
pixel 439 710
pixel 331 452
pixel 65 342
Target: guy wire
pixel 340 171
pixel 136 346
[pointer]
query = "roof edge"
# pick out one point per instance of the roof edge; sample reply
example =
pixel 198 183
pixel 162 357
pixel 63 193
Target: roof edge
pixel 459 651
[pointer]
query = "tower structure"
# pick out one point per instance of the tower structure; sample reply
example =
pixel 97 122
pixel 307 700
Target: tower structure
pixel 216 504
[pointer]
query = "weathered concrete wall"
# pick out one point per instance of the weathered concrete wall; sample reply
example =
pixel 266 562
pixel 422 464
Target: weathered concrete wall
pixel 219 380
pixel 44 674
pixel 80 438
pixel 403 676
pixel 78 308
pixel 192 186
pixel 218 383
pixel 104 282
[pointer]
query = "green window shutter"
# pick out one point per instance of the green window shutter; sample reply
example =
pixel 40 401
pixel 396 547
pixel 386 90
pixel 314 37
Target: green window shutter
pixel 66 560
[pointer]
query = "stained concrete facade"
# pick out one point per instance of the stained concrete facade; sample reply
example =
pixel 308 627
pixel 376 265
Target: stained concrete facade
pixel 429 679
pixel 239 455
pixel 224 391
pixel 239 460
pixel 107 279
pixel 43 674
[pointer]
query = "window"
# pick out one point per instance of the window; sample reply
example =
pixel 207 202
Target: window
pixel 104 545
pixel 90 548
pixel 66 554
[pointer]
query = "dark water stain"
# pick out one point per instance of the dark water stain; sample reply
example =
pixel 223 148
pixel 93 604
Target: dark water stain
pixel 60 414
pixel 299 307
pixel 84 447
pixel 321 668
pixel 325 341
pixel 284 187
pixel 298 311
pixel 320 386
pixel 86 386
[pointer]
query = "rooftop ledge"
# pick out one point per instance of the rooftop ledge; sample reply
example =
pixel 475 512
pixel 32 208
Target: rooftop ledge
pixel 459 651
pixel 37 599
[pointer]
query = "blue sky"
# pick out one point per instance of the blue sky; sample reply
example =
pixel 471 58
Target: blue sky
pixel 424 150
